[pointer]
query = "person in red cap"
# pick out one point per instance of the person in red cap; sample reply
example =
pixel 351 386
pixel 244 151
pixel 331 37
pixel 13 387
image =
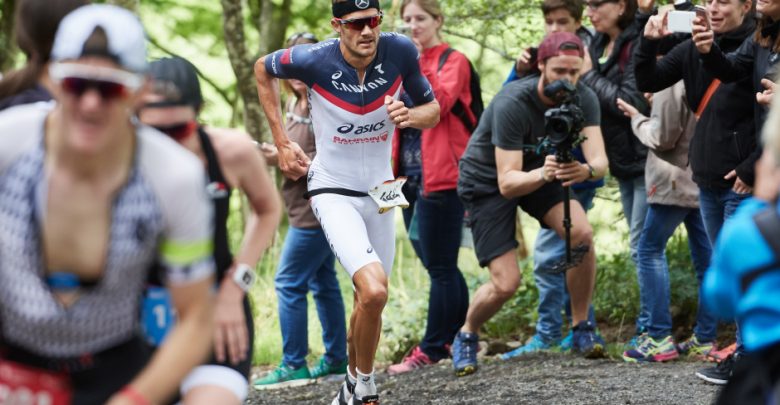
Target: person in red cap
pixel 501 170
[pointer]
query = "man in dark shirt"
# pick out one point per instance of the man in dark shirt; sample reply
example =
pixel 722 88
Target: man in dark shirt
pixel 497 174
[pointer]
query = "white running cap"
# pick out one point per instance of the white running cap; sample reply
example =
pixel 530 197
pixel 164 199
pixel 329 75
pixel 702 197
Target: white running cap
pixel 126 40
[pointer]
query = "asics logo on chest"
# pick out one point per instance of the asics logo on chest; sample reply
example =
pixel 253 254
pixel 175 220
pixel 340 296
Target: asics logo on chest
pixel 361 129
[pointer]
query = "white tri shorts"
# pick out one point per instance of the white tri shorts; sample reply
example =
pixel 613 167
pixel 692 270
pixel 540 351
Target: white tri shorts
pixel 357 233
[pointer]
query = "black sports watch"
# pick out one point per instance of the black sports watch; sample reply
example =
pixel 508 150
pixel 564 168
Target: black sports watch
pixel 591 171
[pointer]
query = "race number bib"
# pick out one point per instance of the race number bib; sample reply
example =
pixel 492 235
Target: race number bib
pixel 23 385
pixel 388 195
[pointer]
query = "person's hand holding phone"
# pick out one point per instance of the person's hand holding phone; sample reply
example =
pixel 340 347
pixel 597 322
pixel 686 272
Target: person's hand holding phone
pixel 701 31
pixel 656 27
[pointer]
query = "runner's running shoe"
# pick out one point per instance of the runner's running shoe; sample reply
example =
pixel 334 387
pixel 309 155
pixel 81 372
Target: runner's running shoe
pixel 637 339
pixel 586 341
pixel 694 347
pixel 652 350
pixel 416 359
pixel 369 399
pixel 534 345
pixel 721 373
pixel 345 394
pixel 464 353
pixel 283 376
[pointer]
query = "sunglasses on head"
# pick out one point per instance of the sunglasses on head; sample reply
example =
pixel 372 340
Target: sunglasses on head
pixel 358 24
pixel 109 83
pixel 177 131
pixel 305 35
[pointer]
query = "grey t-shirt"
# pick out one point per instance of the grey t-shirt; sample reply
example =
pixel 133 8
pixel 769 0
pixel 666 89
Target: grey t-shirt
pixel 514 120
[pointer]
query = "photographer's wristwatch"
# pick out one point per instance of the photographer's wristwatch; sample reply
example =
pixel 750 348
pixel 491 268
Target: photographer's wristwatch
pixel 244 276
pixel 591 171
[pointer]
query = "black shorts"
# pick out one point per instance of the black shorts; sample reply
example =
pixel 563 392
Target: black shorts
pixel 94 378
pixel 492 217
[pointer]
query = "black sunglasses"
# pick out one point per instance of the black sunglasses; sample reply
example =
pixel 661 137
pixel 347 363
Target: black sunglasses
pixel 108 90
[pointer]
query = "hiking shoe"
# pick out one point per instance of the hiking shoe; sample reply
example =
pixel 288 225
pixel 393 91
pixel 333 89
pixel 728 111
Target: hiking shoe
pixel 567 341
pixel 720 355
pixel 283 376
pixel 464 353
pixel 586 341
pixel 652 350
pixel 325 368
pixel 534 345
pixel 416 359
pixel 368 399
pixel 719 374
pixel 345 394
pixel 693 347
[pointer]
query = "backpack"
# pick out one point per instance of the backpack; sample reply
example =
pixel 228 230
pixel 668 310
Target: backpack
pixel 476 106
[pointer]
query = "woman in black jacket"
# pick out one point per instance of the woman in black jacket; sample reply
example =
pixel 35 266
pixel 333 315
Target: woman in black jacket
pixel 722 148
pixel 724 141
pixel 612 77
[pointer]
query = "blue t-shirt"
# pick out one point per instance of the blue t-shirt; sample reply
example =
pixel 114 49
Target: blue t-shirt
pixel 740 249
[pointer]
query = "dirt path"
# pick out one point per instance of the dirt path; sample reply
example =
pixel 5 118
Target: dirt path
pixel 538 379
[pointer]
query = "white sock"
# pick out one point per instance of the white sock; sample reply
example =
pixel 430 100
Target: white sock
pixel 365 384
pixel 352 378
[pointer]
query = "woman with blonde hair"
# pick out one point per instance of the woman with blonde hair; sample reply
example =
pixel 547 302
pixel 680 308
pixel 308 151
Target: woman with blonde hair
pixel 429 158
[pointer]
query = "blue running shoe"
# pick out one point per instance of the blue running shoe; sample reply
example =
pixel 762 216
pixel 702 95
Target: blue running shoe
pixel 567 341
pixel 464 353
pixel 536 344
pixel 587 342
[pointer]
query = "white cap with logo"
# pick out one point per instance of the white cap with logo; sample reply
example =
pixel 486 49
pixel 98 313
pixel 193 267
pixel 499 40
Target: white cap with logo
pixel 126 40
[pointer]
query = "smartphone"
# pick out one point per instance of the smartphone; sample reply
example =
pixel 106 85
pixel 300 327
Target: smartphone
pixel 404 30
pixel 681 21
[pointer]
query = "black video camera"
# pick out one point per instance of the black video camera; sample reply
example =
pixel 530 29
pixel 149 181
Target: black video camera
pixel 563 124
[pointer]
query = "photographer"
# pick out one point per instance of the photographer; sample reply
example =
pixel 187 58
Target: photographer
pixel 498 173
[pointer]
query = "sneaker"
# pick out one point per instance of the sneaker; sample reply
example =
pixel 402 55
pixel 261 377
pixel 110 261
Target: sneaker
pixel 636 341
pixel 325 368
pixel 585 340
pixel 567 341
pixel 464 353
pixel 369 399
pixel 283 376
pixel 720 355
pixel 536 344
pixel 693 347
pixel 345 394
pixel 719 374
pixel 416 359
pixel 652 350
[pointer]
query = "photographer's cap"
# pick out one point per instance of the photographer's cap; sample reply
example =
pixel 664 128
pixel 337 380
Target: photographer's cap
pixel 175 80
pixel 560 43
pixel 125 38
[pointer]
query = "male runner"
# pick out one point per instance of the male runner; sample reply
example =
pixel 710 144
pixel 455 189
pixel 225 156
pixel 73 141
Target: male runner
pixel 354 83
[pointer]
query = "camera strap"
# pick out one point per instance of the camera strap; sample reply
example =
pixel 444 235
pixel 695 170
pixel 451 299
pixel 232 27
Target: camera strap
pixel 707 97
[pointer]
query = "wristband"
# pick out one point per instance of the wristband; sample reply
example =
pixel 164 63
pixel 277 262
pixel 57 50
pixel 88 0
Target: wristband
pixel 541 175
pixel 133 395
pixel 591 171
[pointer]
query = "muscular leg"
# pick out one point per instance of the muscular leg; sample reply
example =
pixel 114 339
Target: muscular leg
pixel 371 296
pixel 504 280
pixel 582 278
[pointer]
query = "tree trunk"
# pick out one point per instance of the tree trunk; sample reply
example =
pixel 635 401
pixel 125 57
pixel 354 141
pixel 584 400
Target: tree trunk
pixel 272 21
pixel 243 66
pixel 131 5
pixel 8 49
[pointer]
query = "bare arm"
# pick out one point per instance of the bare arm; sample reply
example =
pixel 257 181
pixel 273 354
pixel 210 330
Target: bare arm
pixel 512 180
pixel 594 151
pixel 248 171
pixel 420 117
pixel 185 348
pixel 292 161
